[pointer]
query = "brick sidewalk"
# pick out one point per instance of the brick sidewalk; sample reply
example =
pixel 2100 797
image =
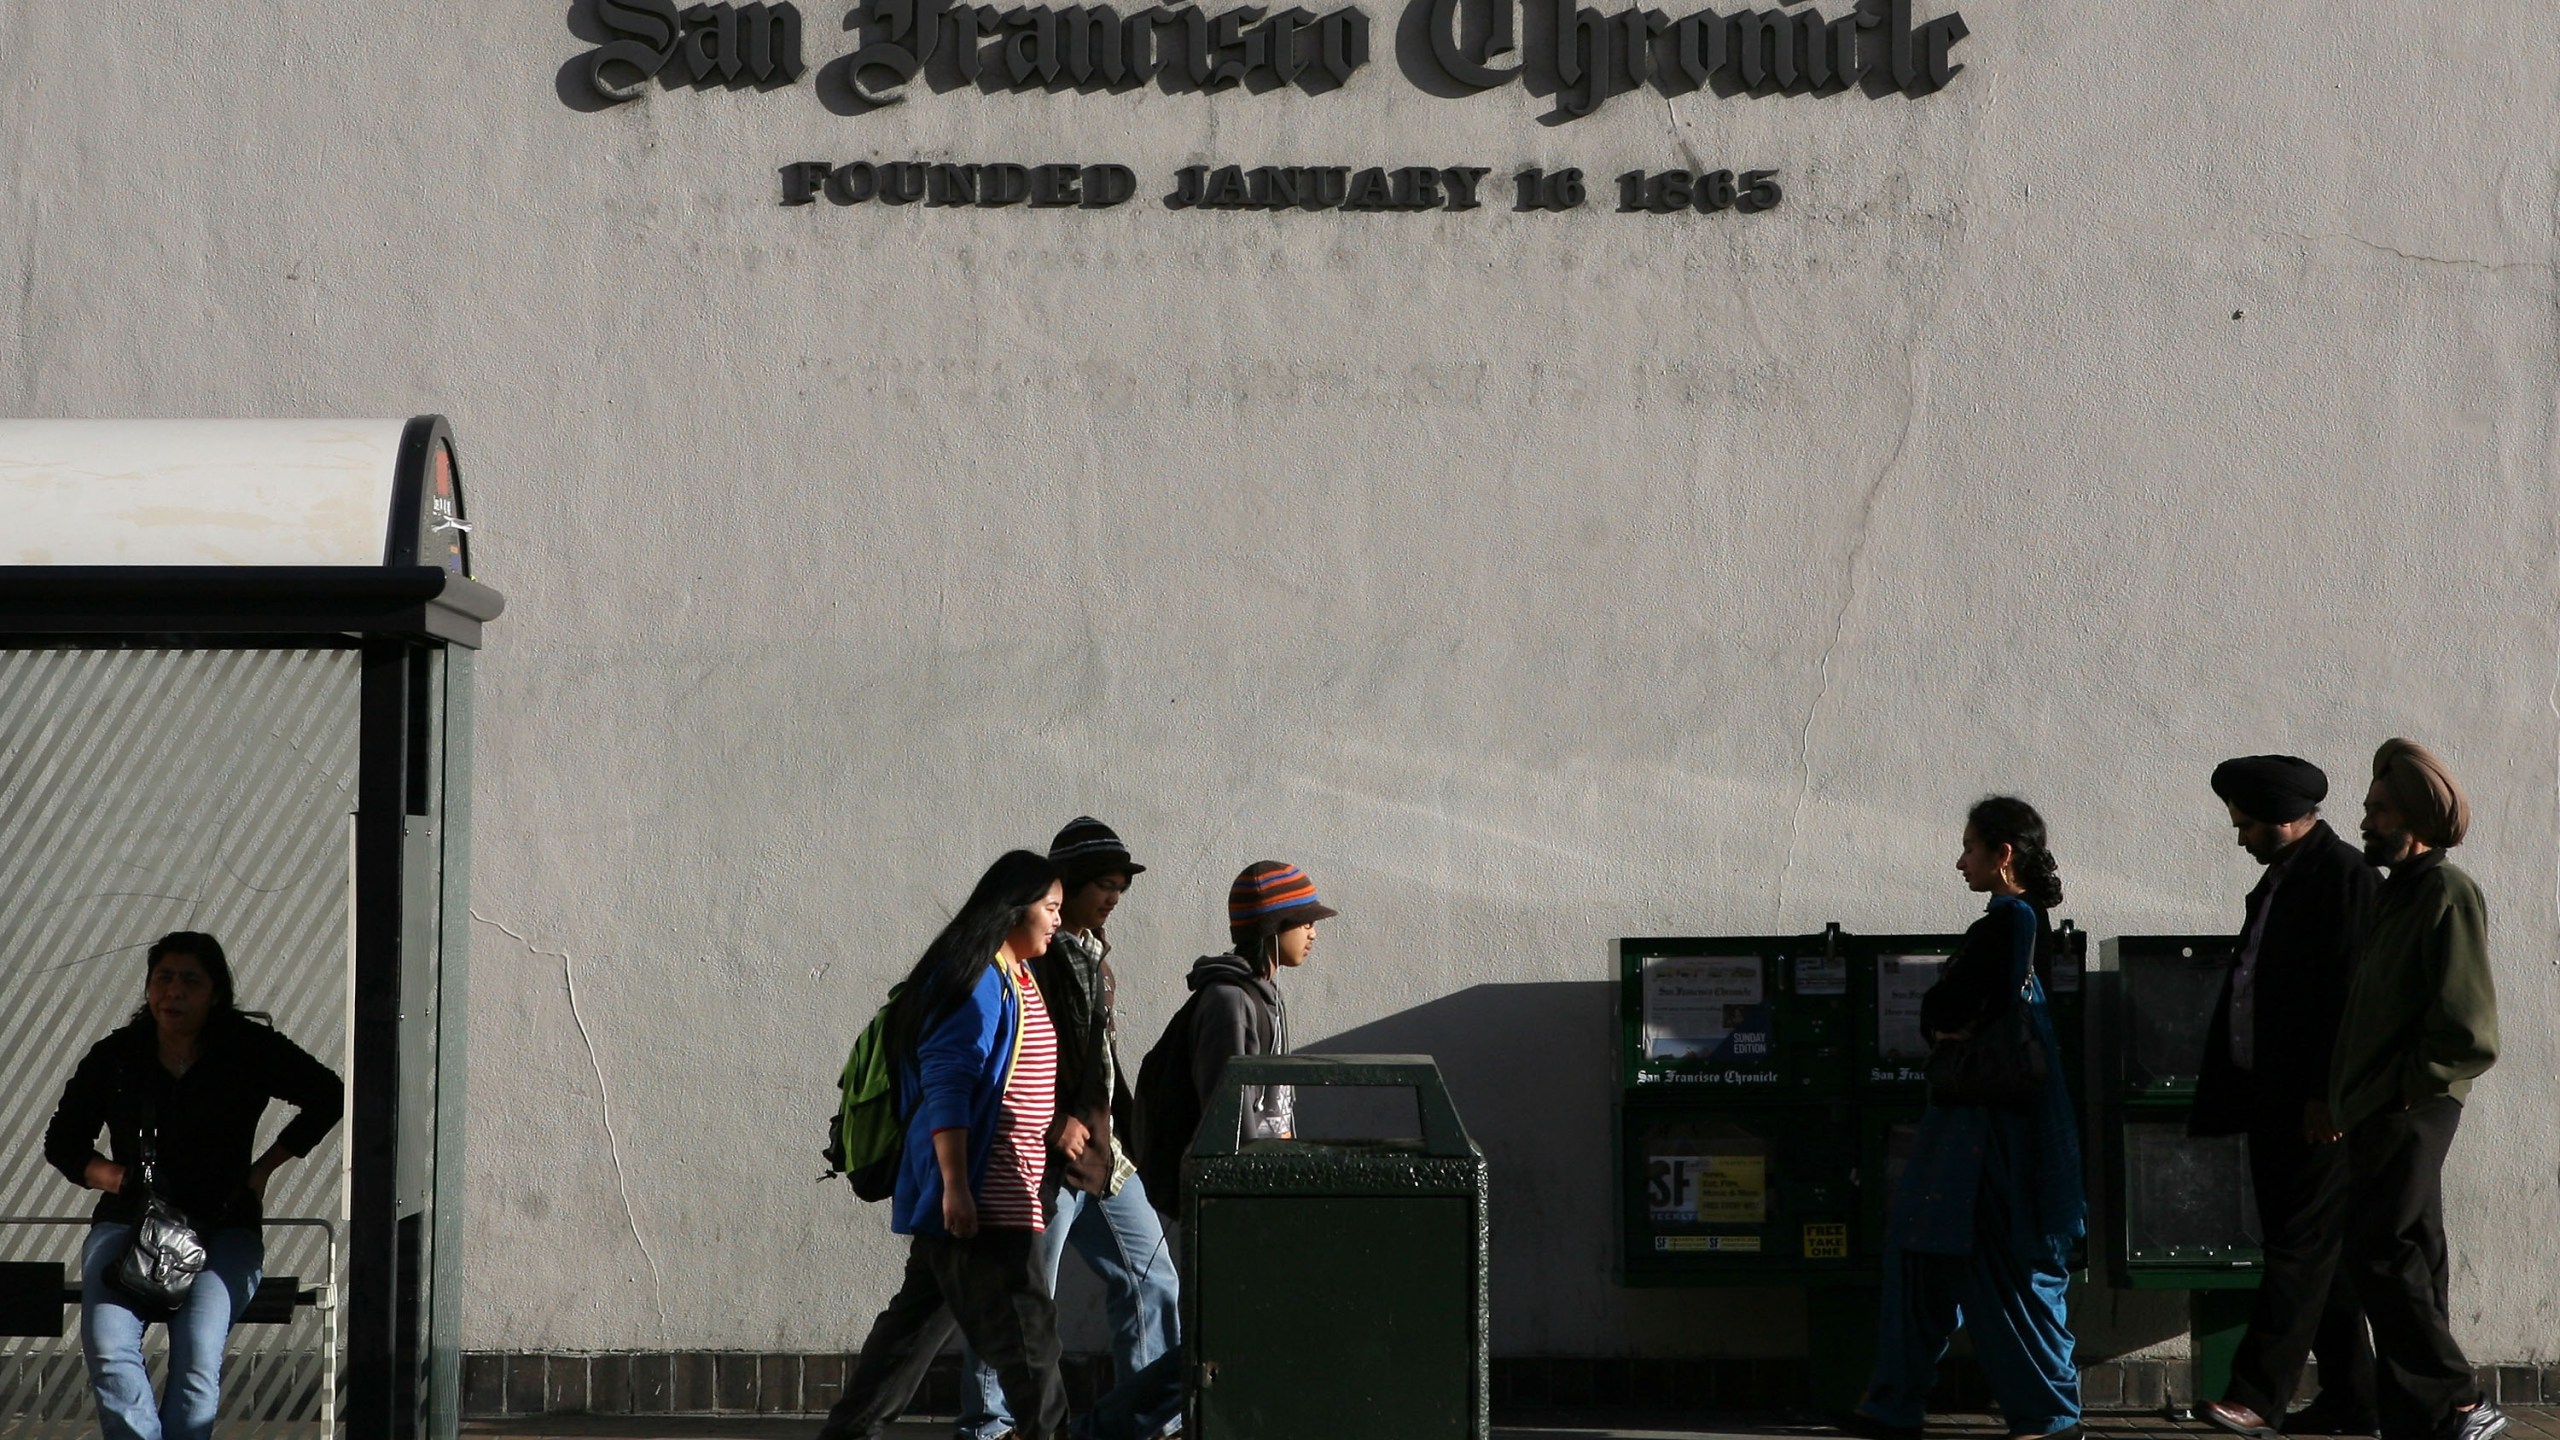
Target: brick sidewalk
pixel 2536 1422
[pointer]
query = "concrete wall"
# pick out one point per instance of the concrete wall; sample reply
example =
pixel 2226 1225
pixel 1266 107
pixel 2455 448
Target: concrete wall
pixel 2178 383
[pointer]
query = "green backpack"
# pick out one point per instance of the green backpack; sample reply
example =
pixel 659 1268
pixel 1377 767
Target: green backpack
pixel 866 1134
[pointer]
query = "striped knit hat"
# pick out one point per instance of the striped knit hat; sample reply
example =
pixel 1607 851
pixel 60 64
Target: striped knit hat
pixel 1087 848
pixel 1270 897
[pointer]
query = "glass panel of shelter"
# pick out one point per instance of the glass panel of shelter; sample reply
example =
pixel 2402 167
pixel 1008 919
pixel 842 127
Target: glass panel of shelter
pixel 156 789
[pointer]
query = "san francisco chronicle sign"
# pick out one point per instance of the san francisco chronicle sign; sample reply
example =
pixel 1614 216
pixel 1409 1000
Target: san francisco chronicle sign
pixel 1585 55
pixel 1578 55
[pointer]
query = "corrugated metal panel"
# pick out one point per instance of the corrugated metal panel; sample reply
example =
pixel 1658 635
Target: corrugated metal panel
pixel 143 791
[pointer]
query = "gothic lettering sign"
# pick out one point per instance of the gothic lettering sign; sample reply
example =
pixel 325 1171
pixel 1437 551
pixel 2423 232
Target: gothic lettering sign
pixel 1579 54
pixel 729 44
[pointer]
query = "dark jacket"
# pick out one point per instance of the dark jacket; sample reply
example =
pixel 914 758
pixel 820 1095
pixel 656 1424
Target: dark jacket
pixel 2422 1012
pixel 2307 948
pixel 1954 1168
pixel 1979 979
pixel 1076 984
pixel 206 1120
pixel 1240 1012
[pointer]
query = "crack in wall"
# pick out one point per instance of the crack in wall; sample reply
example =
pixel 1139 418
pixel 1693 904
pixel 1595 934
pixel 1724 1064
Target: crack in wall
pixel 604 1098
pixel 2551 523
pixel 2458 262
pixel 1862 528
pixel 1680 136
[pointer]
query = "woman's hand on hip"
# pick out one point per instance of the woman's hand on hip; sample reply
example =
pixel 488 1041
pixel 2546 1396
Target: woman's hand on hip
pixel 264 1170
pixel 103 1174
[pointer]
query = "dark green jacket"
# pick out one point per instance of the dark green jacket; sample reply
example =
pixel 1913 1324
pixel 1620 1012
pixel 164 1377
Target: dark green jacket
pixel 2422 1011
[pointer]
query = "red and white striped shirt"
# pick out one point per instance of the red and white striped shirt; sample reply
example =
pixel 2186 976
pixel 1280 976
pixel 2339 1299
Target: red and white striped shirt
pixel 1009 1196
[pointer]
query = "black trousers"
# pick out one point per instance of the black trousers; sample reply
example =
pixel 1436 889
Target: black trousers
pixel 995 1292
pixel 2396 1254
pixel 2306 1298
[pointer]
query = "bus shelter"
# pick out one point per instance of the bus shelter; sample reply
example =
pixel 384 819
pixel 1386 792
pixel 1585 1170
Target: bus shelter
pixel 236 697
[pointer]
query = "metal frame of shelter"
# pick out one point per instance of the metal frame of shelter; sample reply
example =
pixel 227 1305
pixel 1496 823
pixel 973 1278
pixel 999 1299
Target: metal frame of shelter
pixel 412 624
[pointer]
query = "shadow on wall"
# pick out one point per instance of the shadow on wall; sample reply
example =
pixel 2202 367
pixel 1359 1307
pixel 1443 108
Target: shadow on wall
pixel 1531 1068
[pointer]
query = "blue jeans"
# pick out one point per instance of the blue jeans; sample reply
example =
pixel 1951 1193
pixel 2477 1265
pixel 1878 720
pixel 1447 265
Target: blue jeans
pixel 1139 1406
pixel 1121 1238
pixel 111 1335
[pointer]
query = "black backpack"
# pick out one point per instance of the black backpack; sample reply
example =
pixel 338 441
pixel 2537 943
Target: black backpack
pixel 1168 1109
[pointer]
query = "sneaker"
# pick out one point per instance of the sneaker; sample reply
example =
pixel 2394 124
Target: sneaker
pixel 2237 1420
pixel 2483 1421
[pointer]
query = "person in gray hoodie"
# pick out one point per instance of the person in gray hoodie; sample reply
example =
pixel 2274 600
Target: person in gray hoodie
pixel 1235 1009
pixel 1272 911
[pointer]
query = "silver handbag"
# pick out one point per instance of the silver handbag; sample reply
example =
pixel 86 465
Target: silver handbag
pixel 160 1265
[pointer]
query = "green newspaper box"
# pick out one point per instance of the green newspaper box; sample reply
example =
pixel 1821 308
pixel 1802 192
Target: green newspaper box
pixel 1739 1193
pixel 1763 1014
pixel 1888 975
pixel 2068 997
pixel 2178 1212
pixel 2181 1212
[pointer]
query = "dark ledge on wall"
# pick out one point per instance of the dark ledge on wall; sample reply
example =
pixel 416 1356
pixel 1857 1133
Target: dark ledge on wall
pixel 497 1384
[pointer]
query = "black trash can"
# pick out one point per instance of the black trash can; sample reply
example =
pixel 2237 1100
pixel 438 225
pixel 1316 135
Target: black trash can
pixel 1335 1287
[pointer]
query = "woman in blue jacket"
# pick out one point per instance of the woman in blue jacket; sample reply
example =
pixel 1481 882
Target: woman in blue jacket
pixel 976 1063
pixel 1981 1228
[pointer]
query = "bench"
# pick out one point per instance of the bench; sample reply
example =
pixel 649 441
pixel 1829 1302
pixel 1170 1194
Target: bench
pixel 37 1296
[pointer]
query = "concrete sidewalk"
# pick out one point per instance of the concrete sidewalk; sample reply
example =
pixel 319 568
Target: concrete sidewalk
pixel 2529 1423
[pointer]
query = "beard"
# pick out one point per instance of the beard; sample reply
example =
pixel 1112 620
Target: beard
pixel 2382 849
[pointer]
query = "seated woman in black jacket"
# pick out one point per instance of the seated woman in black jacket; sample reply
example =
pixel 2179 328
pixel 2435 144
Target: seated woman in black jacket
pixel 182 1085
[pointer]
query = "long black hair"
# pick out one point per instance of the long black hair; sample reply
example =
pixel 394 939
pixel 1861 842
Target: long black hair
pixel 2007 820
pixel 217 969
pixel 960 955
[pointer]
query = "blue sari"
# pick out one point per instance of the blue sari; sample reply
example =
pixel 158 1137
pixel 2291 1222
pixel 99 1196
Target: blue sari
pixel 1980 1235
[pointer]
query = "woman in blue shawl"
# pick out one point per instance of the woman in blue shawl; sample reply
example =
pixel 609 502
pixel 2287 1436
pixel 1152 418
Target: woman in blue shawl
pixel 1984 1219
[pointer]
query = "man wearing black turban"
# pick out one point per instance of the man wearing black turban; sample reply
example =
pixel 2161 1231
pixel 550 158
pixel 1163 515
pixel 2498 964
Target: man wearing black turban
pixel 2265 1074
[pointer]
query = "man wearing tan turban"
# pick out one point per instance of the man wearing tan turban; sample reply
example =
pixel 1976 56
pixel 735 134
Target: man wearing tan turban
pixel 2421 1023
